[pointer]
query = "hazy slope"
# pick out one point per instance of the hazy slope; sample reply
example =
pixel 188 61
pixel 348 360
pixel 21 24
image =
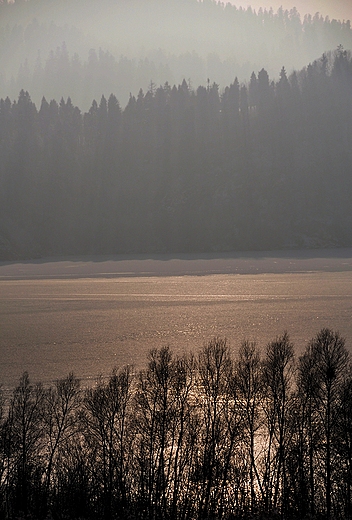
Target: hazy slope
pixel 263 166
pixel 339 9
pixel 121 46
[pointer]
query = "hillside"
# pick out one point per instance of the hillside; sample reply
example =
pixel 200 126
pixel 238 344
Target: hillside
pixel 259 165
pixel 86 49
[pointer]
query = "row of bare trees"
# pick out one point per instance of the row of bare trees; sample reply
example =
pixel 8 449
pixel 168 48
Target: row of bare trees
pixel 258 434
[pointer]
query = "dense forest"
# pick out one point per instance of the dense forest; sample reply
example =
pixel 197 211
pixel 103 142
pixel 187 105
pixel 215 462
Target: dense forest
pixel 207 436
pixel 85 48
pixel 171 126
pixel 257 165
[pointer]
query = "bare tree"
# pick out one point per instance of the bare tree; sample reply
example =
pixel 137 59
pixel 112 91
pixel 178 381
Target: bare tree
pixel 184 441
pixel 309 431
pixel 249 383
pixel 153 427
pixel 165 440
pixel 328 360
pixel 221 429
pixel 343 446
pixel 4 453
pixel 106 417
pixel 61 406
pixel 278 370
pixel 26 442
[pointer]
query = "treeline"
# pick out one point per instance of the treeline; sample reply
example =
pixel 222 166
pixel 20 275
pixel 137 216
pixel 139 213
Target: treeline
pixel 159 40
pixel 208 436
pixel 259 165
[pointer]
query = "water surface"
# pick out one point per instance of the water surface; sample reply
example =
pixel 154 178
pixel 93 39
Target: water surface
pixel 89 315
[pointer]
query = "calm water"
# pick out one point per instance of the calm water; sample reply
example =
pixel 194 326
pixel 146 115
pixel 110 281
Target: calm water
pixel 54 324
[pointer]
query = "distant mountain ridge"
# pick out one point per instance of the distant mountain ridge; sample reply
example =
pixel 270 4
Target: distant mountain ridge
pixel 338 10
pixel 85 49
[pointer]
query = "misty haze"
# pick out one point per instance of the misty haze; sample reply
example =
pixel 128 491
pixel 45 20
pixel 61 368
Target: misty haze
pixel 175 260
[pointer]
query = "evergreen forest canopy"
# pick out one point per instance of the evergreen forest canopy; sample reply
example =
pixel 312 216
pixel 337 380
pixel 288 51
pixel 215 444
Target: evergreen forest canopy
pixel 207 436
pixel 85 48
pixel 197 160
pixel 259 165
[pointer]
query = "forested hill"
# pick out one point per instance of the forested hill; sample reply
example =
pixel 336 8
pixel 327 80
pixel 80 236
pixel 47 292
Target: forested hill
pixel 258 165
pixel 86 48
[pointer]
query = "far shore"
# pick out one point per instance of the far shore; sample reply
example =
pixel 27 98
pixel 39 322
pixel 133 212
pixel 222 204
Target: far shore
pixel 111 266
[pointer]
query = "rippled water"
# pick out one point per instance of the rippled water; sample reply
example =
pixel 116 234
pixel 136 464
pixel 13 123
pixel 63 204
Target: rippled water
pixel 50 326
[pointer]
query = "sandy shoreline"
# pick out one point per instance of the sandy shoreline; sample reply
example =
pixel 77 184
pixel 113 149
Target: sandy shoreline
pixel 179 265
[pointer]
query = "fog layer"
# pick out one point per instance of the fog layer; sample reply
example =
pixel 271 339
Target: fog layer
pixel 84 49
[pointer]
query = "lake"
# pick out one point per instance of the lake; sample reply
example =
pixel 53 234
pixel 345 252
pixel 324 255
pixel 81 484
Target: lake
pixel 89 315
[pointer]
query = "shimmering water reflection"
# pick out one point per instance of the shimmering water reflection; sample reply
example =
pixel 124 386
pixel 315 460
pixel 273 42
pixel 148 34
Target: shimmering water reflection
pixel 89 325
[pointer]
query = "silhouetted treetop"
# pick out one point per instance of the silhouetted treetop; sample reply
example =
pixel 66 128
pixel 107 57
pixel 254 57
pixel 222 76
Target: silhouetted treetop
pixel 215 434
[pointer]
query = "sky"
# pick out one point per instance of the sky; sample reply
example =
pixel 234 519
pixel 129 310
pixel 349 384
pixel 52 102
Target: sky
pixel 339 9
